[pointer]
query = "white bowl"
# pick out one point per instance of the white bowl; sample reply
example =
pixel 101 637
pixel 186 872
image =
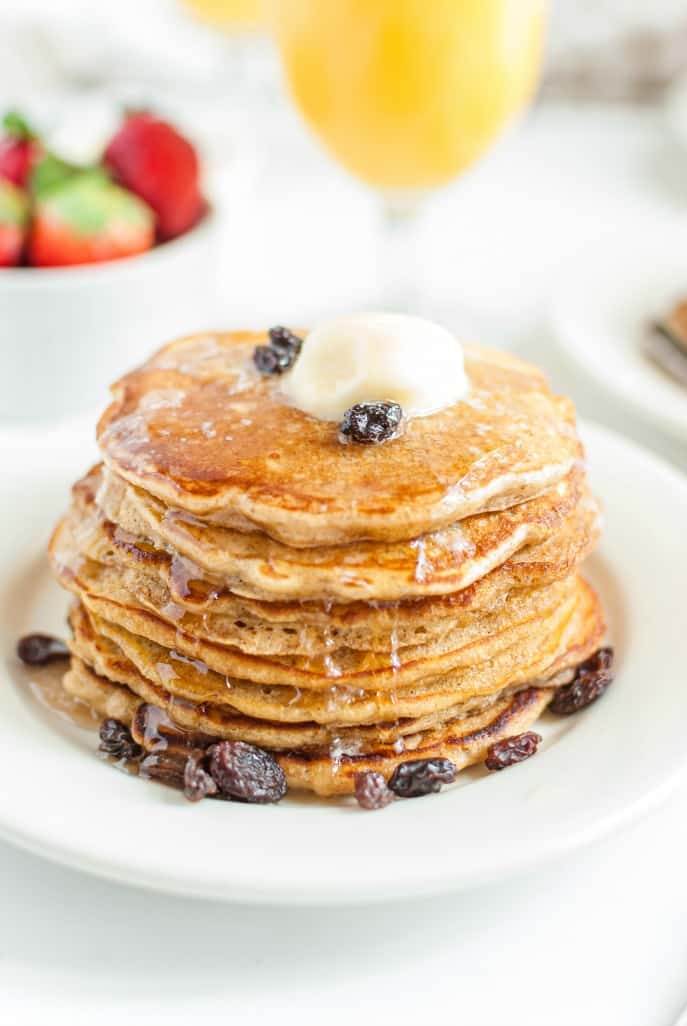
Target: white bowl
pixel 67 333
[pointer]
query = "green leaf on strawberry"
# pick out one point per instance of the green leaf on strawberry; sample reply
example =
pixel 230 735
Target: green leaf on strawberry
pixel 52 172
pixel 15 125
pixel 88 203
pixel 84 218
pixel 49 172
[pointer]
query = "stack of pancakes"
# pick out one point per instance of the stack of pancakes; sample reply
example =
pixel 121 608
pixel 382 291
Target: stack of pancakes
pixel 346 607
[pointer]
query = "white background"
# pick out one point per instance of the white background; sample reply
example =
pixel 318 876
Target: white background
pixel 600 939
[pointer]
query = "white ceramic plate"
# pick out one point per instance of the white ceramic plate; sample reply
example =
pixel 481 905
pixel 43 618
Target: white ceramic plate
pixel 675 109
pixel 602 313
pixel 594 772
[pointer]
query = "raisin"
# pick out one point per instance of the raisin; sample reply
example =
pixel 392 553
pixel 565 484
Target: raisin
pixel 116 740
pixel 591 680
pixel 197 781
pixel 284 340
pixel 166 767
pixel 371 423
pixel 39 649
pixel 421 776
pixel 266 360
pixel 514 749
pixel 371 791
pixel 280 354
pixel 246 772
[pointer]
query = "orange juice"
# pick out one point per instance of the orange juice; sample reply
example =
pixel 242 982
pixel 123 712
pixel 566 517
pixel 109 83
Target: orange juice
pixel 408 93
pixel 231 15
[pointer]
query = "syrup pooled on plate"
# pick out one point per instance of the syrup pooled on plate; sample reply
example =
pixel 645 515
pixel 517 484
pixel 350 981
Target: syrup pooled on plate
pixel 44 657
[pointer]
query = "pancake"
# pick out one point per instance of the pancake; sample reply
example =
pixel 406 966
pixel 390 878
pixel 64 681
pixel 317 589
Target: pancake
pixel 193 681
pixel 465 741
pixel 330 770
pixel 129 588
pixel 222 723
pixel 348 667
pixel 255 566
pixel 105 562
pixel 199 428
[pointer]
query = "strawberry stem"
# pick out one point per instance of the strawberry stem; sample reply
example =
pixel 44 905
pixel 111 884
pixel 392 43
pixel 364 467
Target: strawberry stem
pixel 16 126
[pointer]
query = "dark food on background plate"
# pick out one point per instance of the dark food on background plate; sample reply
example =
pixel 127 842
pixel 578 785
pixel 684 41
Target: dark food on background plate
pixel 259 606
pixel 674 326
pixel 145 190
pixel 666 344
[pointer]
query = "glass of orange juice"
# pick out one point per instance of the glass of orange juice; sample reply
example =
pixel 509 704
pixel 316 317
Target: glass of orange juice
pixel 408 94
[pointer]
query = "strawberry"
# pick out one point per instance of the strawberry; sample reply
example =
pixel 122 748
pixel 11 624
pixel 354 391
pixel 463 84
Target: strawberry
pixel 81 217
pixel 14 219
pixel 152 159
pixel 19 150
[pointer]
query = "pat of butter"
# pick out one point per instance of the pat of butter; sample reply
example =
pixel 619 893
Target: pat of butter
pixel 371 357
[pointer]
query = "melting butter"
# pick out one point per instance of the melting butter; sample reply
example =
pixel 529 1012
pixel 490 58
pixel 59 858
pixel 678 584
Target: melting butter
pixel 377 356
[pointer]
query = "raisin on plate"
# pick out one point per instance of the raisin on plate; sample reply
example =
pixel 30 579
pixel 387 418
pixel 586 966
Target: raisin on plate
pixel 372 791
pixel 39 649
pixel 116 740
pixel 592 679
pixel 421 776
pixel 512 750
pixel 246 773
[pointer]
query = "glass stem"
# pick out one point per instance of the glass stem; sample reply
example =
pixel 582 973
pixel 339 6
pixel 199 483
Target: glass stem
pixel 399 259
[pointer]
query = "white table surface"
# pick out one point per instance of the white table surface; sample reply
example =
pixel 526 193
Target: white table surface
pixel 598 939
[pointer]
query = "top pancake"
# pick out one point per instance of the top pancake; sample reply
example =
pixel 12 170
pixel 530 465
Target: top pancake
pixel 199 428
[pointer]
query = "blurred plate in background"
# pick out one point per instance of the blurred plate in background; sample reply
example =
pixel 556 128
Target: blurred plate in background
pixel 602 315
